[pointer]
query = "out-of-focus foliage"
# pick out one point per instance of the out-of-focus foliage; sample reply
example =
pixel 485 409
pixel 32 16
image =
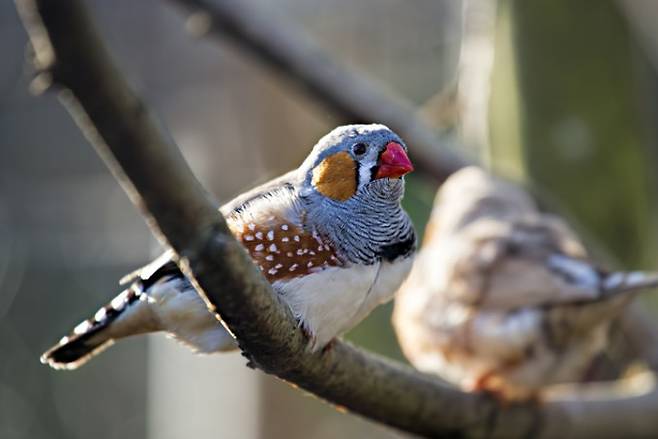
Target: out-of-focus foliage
pixel 579 123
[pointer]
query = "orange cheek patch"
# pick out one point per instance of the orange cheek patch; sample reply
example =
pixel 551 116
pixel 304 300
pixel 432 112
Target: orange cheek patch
pixel 335 177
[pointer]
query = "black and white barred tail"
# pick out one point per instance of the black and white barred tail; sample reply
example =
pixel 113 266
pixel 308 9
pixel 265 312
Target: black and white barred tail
pixel 91 336
pixel 619 282
pixel 583 274
pixel 159 300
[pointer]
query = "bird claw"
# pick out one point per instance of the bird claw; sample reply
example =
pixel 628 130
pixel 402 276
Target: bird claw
pixel 487 385
pixel 329 346
pixel 310 338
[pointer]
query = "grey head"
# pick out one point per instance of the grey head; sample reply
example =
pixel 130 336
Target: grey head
pixel 349 159
pixel 352 185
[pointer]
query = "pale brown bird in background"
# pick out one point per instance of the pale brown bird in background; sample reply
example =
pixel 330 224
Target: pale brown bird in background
pixel 503 298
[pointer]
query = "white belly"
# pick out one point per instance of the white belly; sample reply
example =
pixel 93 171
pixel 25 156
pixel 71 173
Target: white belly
pixel 180 311
pixel 327 303
pixel 331 302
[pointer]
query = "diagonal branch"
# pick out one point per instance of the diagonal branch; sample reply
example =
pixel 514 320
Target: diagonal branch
pixel 349 94
pixel 69 53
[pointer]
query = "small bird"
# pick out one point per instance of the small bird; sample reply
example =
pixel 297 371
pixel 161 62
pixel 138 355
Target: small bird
pixel 503 298
pixel 330 237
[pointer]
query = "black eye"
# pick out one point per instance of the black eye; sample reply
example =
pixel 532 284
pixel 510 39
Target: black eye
pixel 360 148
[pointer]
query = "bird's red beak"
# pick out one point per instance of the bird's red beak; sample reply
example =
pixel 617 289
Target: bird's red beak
pixel 394 162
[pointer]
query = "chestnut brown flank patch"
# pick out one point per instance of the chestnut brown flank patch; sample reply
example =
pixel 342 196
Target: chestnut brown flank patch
pixel 283 250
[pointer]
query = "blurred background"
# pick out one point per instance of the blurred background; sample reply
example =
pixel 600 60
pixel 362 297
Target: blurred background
pixel 558 94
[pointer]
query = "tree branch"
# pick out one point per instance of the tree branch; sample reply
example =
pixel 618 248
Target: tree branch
pixel 355 98
pixel 69 53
